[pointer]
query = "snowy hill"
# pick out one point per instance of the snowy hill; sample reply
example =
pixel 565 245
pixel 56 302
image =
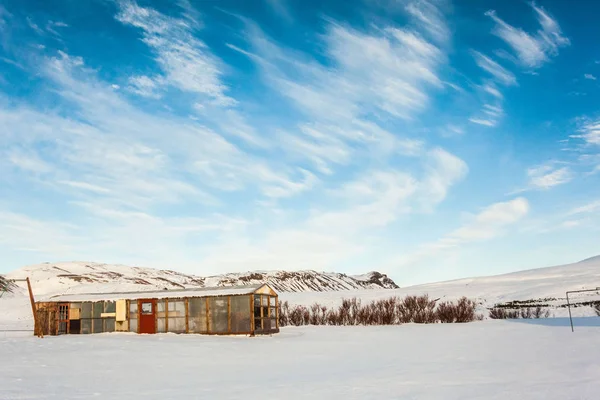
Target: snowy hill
pixel 78 277
pixel 543 286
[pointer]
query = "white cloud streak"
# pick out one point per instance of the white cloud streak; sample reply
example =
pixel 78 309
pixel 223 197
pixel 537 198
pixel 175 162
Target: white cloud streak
pixel 489 223
pixel 186 61
pixel 145 86
pixel 547 176
pixel 485 122
pixel 592 207
pixel 532 50
pixel 590 133
pixel 344 99
pixel 501 74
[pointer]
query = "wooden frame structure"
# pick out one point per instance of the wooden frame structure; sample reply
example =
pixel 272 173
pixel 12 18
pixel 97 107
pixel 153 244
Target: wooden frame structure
pixel 212 311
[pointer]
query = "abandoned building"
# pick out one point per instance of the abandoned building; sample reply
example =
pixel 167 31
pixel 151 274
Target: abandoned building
pixel 237 310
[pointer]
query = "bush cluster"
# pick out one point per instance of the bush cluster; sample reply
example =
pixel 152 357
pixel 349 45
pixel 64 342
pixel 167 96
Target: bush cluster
pixel 390 311
pixel 524 313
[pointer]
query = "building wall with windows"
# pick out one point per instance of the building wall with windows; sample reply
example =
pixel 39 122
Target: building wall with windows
pixel 247 310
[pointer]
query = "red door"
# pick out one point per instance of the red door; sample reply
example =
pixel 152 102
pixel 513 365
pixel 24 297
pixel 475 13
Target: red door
pixel 147 320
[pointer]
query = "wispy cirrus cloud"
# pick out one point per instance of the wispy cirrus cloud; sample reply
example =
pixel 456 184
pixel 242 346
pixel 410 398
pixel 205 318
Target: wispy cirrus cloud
pixel 589 133
pixel 34 26
pixel 345 98
pixel 492 221
pixel 431 18
pixel 548 175
pixel 186 61
pixel 145 86
pixel 281 8
pixel 591 207
pixel 532 50
pixel 488 115
pixel 372 200
pixel 482 121
pixel 500 74
pixel 124 149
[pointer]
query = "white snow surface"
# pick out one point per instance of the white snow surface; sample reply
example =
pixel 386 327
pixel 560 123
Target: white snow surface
pixel 482 360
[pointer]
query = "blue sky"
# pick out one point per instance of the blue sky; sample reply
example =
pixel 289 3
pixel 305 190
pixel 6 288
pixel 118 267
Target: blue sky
pixel 429 140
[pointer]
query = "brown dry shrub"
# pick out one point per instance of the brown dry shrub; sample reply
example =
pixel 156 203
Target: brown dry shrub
pixel 417 309
pixel 460 312
pixel 390 311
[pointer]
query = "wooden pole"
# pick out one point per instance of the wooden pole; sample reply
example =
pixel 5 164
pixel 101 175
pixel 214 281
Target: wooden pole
pixel 37 329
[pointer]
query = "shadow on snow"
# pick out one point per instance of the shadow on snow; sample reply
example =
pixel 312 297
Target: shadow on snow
pixel 561 321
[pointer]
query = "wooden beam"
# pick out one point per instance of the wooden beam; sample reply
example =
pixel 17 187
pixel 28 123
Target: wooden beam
pixel 252 314
pixel 277 312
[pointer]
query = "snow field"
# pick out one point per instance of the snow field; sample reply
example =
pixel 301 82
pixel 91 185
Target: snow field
pixel 481 360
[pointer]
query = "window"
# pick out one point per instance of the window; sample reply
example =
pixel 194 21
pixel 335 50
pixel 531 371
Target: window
pixel 147 308
pixel 98 309
pixel 197 315
pixel 110 307
pixel 176 313
pixel 86 317
pixel 218 314
pixel 86 326
pixel 257 313
pixel 161 316
pixel 133 314
pixel 265 313
pixel 86 310
pixel 240 314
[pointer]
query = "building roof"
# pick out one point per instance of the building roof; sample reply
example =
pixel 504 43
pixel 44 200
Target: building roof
pixel 158 294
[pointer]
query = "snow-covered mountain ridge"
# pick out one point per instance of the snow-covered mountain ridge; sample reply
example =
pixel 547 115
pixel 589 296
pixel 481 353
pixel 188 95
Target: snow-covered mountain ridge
pixel 79 277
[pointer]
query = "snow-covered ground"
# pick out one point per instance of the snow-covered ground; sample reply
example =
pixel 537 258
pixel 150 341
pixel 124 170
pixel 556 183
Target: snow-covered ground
pixel 482 360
